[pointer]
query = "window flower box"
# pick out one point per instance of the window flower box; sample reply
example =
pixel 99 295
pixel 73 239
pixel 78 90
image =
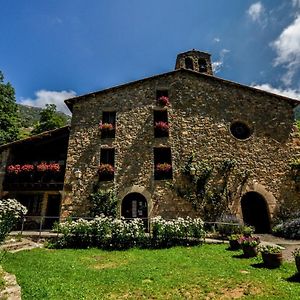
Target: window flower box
pixel 163 101
pixel 106 172
pixel 107 130
pixel 14 169
pixel 163 171
pixel 161 129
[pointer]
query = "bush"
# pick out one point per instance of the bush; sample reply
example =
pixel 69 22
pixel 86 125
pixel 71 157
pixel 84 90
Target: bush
pixel 289 229
pixel 109 233
pixel 10 212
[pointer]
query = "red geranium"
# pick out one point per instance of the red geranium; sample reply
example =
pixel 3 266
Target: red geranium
pixel 162 126
pixel 27 168
pixel 42 167
pixel 106 126
pixel 14 169
pixel 106 169
pixel 163 168
pixel 55 168
pixel 163 100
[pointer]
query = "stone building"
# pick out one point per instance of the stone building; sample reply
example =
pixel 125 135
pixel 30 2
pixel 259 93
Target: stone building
pixel 158 150
pixel 183 143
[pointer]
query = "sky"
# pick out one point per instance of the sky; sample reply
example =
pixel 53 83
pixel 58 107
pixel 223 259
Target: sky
pixel 53 50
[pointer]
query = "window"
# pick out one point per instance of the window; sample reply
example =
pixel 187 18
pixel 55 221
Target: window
pixel 189 64
pixel 162 93
pixel 161 124
pixel 240 130
pixel 202 65
pixel 162 163
pixel 108 124
pixel 107 163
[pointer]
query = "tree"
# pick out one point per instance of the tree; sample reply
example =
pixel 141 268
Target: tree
pixel 9 117
pixel 49 120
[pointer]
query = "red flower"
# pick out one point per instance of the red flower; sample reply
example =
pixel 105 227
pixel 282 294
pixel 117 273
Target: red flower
pixel 163 100
pixel 14 169
pixel 42 167
pixel 27 168
pixel 162 126
pixel 163 168
pixel 55 168
pixel 106 126
pixel 106 169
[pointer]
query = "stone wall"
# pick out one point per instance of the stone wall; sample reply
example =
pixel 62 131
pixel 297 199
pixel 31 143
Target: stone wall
pixel 201 111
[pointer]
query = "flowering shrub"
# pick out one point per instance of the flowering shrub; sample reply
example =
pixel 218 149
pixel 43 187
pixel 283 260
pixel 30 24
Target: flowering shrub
pixel 251 241
pixel 10 211
pixel 14 169
pixel 269 249
pixel 106 126
pixel 54 168
pixel 163 100
pixel 163 168
pixel 27 168
pixel 107 232
pixel 289 229
pixel 106 170
pixel 42 167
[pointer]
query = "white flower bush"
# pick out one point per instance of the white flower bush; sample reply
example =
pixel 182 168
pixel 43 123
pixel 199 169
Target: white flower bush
pixel 107 232
pixel 10 212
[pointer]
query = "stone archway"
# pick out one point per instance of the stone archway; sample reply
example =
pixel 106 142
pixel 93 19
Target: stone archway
pixel 134 205
pixel 256 212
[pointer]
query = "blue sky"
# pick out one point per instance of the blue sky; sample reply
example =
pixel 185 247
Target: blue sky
pixel 52 50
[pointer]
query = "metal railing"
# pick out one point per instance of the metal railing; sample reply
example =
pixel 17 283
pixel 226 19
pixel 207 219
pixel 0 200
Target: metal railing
pixel 40 224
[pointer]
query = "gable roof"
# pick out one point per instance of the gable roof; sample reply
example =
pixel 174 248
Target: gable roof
pixel 44 135
pixel 71 101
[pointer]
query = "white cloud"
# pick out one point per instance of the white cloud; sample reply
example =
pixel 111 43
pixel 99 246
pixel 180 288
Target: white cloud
pixel 44 97
pixel 256 12
pixel 217 40
pixel 291 93
pixel 296 3
pixel 218 65
pixel 287 46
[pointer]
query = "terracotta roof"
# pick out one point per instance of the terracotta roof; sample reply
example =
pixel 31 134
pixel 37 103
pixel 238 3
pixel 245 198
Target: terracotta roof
pixel 37 137
pixel 71 101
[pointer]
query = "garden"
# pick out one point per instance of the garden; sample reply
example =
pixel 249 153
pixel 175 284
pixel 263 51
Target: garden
pixel 110 258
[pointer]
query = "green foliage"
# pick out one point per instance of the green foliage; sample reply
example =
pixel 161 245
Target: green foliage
pixel 10 212
pixel 202 272
pixel 104 202
pixel 9 118
pixel 210 187
pixel 298 124
pixel 49 120
pixel 110 233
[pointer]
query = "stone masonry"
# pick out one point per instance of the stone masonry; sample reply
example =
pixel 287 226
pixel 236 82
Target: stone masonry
pixel 201 112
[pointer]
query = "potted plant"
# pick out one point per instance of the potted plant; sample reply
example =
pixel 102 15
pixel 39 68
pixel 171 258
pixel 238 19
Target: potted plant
pixel 161 129
pixel 106 172
pixel 163 101
pixel 234 241
pixel 107 130
pixel 249 245
pixel 271 255
pixel 13 169
pixel 296 254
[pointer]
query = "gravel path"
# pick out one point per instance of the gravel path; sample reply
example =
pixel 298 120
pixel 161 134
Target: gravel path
pixel 288 245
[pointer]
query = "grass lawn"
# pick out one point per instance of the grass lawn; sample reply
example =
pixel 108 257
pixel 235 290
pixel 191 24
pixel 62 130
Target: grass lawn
pixel 203 272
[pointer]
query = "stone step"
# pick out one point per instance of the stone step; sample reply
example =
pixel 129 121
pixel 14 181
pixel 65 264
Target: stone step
pixel 13 246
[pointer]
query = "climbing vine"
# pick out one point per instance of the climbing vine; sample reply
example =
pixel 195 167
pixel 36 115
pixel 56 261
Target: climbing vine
pixel 210 188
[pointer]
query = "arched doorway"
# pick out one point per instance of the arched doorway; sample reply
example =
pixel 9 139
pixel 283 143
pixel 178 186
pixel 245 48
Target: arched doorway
pixel 255 212
pixel 134 205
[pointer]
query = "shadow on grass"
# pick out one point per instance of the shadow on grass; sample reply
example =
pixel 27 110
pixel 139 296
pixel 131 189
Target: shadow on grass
pixel 232 250
pixel 294 278
pixel 260 266
pixel 240 256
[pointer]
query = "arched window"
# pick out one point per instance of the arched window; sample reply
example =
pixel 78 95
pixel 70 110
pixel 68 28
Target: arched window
pixel 189 64
pixel 202 65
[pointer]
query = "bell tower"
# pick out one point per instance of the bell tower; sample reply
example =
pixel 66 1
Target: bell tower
pixel 194 60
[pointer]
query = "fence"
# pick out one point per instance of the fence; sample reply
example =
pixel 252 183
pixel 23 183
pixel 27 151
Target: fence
pixel 40 224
